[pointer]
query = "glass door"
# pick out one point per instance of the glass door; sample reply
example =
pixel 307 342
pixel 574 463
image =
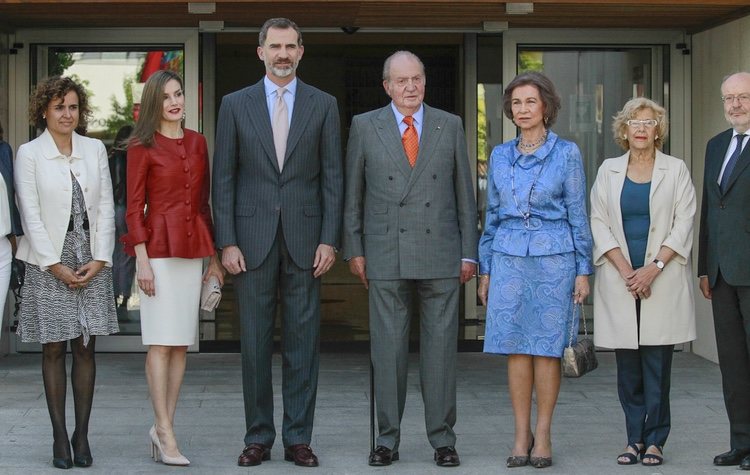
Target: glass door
pixel 113 76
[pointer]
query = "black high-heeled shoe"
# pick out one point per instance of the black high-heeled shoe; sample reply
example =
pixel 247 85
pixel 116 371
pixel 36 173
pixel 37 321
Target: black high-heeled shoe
pixel 520 460
pixel 64 461
pixel 84 458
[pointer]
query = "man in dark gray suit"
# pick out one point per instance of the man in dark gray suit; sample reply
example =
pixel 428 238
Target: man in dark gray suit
pixel 724 259
pixel 277 202
pixel 410 225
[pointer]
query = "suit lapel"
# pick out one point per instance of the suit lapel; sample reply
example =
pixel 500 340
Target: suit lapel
pixel 258 115
pixel 390 137
pixel 431 131
pixel 739 167
pixel 658 174
pixel 300 117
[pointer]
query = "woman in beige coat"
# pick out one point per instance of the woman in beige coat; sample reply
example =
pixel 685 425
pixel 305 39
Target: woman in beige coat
pixel 642 209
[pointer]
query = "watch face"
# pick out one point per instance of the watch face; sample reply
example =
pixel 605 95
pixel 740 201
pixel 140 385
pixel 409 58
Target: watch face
pixel 659 264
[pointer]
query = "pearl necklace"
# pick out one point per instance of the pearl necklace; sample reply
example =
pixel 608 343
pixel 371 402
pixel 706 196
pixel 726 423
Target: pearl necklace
pixel 529 146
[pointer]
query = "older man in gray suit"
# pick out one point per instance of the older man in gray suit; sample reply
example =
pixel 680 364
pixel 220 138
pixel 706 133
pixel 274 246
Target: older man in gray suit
pixel 410 225
pixel 277 201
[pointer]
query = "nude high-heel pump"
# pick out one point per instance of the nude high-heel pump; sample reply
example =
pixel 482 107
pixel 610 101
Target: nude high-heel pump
pixel 158 454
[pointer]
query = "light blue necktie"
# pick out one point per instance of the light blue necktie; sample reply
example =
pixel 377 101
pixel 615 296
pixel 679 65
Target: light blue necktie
pixel 731 163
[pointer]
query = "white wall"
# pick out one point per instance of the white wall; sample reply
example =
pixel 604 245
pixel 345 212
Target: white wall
pixel 715 53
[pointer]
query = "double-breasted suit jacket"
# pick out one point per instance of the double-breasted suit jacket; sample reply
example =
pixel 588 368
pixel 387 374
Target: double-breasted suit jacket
pixel 251 194
pixel 409 223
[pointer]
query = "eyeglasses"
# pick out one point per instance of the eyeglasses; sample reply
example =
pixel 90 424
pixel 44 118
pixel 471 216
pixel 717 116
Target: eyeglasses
pixel 743 98
pixel 649 123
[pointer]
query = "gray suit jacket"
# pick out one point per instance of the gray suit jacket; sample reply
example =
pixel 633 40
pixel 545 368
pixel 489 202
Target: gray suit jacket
pixel 725 217
pixel 251 195
pixel 409 223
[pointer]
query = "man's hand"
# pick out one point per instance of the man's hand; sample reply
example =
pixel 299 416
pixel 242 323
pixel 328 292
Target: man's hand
pixel 233 260
pixel 705 287
pixel 325 256
pixel 468 271
pixel 357 266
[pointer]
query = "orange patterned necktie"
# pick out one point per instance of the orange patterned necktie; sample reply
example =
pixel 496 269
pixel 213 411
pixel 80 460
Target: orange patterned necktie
pixel 410 141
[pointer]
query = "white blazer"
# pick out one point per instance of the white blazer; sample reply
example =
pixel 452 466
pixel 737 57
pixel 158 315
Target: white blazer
pixel 668 315
pixel 44 192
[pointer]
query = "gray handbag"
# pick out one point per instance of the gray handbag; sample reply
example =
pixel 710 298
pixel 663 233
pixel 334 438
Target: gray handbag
pixel 580 358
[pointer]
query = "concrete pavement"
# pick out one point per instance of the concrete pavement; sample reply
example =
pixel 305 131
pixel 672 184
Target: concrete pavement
pixel 588 430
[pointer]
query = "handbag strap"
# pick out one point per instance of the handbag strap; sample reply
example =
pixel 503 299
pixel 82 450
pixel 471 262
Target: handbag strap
pixel 583 317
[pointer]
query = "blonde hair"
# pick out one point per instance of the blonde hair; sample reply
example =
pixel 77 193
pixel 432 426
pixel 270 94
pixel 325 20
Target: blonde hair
pixel 629 111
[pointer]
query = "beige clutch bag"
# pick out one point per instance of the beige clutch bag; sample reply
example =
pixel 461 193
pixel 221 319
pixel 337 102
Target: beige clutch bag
pixel 210 294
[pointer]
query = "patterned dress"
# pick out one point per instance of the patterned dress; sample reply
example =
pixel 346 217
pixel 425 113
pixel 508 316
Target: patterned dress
pixel 50 311
pixel 535 242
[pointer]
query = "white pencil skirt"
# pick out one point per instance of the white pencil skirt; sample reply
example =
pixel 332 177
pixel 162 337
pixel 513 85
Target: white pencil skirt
pixel 170 317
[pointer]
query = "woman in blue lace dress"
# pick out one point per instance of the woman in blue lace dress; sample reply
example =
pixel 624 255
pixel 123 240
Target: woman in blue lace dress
pixel 534 257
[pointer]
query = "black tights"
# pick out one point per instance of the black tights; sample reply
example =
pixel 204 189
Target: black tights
pixel 83 375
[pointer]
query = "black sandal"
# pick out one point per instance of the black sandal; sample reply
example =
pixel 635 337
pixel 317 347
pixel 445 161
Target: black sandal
pixel 654 459
pixel 632 459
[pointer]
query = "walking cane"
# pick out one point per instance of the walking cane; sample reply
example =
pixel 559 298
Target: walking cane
pixel 372 407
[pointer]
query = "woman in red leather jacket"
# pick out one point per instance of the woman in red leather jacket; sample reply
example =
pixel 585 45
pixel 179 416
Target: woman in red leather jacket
pixel 170 233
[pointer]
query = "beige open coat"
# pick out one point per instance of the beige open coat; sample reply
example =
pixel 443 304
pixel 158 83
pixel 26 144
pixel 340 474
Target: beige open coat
pixel 668 315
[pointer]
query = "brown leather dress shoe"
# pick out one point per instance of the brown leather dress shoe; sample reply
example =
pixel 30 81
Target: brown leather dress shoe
pixel 301 454
pixel 382 456
pixel 254 454
pixel 447 457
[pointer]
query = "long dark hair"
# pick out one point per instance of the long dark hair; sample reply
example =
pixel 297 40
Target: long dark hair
pixel 152 101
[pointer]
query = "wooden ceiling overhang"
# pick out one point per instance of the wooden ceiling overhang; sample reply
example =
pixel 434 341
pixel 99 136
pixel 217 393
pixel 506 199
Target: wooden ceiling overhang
pixel 453 15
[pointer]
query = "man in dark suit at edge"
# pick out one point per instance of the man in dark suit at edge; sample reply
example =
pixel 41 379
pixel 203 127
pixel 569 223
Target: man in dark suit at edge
pixel 410 224
pixel 277 202
pixel 724 259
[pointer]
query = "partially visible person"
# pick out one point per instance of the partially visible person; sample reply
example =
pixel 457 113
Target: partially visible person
pixel 410 227
pixel 65 197
pixel 642 210
pixel 168 176
pixel 724 259
pixel 277 199
pixel 123 264
pixel 10 221
pixel 534 258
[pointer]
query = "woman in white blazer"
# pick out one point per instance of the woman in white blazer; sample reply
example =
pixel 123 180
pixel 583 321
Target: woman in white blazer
pixel 67 212
pixel 642 209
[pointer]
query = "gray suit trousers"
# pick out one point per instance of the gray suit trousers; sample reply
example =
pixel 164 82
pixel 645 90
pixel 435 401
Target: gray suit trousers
pixel 390 304
pixel 300 299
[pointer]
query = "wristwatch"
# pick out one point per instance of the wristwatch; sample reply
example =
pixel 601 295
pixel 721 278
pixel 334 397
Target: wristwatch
pixel 659 264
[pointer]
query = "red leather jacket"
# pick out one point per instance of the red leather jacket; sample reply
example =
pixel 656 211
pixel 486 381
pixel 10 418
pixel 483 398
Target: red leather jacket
pixel 168 190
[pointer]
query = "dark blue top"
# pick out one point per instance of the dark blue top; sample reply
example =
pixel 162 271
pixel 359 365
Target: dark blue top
pixel 636 219
pixel 6 171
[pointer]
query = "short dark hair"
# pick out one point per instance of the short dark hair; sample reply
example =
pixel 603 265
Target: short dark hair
pixel 280 23
pixel 53 88
pixel 543 84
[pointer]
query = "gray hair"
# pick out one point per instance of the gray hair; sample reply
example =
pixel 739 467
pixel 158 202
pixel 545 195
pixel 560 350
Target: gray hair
pixel 280 23
pixel 389 59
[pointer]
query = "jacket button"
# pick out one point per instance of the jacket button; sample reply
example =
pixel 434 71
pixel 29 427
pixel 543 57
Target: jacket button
pixel 187 185
pixel 186 169
pixel 179 142
pixel 183 157
pixel 402 204
pixel 427 204
pixel 403 230
pixel 434 177
pixel 390 178
pixel 428 231
pixel 190 234
pixel 187 218
pixel 187 202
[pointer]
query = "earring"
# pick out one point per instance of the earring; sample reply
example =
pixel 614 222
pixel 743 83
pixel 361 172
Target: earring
pixel 624 137
pixel 546 119
pixel 184 115
pixel 44 116
pixel 656 137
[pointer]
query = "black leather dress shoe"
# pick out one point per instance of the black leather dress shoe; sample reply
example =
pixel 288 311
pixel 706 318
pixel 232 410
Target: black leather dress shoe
pixel 733 457
pixel 382 456
pixel 745 464
pixel 447 457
